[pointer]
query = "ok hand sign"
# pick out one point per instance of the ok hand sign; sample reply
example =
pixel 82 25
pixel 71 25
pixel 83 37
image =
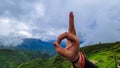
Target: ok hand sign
pixel 71 52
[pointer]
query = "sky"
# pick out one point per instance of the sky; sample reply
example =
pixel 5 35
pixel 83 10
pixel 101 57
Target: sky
pixel 95 20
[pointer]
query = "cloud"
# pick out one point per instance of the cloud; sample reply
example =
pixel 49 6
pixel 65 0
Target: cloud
pixel 95 20
pixel 5 27
pixel 12 31
pixel 24 33
pixel 9 26
pixel 106 20
pixel 39 10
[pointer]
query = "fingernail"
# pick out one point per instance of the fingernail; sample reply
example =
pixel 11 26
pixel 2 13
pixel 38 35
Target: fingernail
pixel 54 43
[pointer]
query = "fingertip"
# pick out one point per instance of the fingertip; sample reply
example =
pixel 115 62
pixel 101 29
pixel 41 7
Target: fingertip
pixel 71 13
pixel 54 43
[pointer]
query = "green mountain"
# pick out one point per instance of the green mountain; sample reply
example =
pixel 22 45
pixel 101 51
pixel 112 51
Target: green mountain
pixel 12 58
pixel 105 55
pixel 54 62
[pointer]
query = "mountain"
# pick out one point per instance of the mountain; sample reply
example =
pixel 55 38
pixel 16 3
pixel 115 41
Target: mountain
pixel 38 45
pixel 105 55
pixel 54 62
pixel 33 44
pixel 12 58
pixel 32 53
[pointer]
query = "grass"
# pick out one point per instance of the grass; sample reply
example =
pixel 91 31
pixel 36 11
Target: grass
pixel 14 58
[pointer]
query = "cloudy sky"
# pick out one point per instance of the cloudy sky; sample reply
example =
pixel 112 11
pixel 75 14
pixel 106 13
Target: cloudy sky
pixel 95 20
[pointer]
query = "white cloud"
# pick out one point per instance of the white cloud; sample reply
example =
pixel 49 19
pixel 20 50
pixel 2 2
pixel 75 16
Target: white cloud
pixel 12 31
pixel 8 26
pixel 52 34
pixel 22 26
pixel 5 26
pixel 105 16
pixel 26 34
pixel 39 9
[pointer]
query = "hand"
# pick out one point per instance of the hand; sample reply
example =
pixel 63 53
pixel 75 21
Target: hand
pixel 71 52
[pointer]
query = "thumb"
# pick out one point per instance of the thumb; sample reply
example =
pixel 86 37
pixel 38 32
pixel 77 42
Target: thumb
pixel 56 45
pixel 59 49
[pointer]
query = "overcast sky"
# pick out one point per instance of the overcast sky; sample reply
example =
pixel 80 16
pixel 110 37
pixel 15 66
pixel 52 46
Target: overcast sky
pixel 95 20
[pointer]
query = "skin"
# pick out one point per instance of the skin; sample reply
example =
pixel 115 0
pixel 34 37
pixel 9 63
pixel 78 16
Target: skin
pixel 71 51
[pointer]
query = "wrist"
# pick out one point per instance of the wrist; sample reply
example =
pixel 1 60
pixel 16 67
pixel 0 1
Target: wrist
pixel 75 61
pixel 79 63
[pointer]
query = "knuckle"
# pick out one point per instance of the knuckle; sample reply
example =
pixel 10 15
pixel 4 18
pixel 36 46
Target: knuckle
pixel 66 33
pixel 58 37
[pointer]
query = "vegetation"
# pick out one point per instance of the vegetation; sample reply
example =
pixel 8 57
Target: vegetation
pixel 54 62
pixel 105 55
pixel 12 58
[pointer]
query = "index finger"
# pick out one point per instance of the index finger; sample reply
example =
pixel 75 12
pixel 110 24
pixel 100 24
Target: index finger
pixel 71 28
pixel 68 36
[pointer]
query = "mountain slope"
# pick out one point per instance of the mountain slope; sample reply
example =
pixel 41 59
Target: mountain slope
pixel 12 58
pixel 36 45
pixel 54 62
pixel 103 55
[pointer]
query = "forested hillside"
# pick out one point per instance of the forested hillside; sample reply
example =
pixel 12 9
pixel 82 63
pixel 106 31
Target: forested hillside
pixel 12 58
pixel 105 55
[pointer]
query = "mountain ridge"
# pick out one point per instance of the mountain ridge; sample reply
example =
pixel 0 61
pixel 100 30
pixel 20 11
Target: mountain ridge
pixel 33 44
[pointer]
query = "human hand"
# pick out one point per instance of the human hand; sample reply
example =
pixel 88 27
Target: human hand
pixel 71 52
